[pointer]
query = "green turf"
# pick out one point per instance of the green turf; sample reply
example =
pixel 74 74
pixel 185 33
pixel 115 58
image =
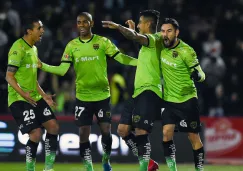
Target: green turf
pixel 116 167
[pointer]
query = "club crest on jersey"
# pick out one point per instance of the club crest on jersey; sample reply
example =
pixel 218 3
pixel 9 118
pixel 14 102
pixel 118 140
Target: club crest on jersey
pixel 174 54
pixel 96 46
pixel 193 124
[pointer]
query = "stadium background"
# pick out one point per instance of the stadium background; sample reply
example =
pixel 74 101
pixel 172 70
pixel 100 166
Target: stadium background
pixel 212 28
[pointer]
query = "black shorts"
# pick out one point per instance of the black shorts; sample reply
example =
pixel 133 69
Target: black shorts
pixel 184 115
pixel 29 117
pixel 148 108
pixel 126 115
pixel 84 112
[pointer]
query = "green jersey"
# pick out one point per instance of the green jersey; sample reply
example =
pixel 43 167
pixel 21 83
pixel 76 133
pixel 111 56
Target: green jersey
pixel 90 65
pixel 176 64
pixel 148 74
pixel 24 57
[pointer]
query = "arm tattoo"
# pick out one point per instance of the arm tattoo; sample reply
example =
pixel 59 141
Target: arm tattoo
pixel 128 33
pixel 12 69
pixel 133 35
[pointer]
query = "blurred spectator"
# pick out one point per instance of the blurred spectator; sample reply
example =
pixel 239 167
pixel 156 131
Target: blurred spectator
pixel 119 92
pixel 214 68
pixel 212 46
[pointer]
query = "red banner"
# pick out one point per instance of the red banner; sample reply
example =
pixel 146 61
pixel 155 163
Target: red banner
pixel 223 139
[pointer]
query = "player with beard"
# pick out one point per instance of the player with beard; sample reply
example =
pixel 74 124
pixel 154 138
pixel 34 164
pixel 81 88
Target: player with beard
pixel 89 53
pixel 27 101
pixel 147 103
pixel 180 68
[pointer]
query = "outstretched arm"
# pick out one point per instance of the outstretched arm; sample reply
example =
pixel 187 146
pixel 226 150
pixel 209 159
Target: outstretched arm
pixel 127 32
pixel 125 59
pixel 59 70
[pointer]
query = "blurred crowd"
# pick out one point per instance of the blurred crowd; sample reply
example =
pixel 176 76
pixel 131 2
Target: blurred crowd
pixel 212 28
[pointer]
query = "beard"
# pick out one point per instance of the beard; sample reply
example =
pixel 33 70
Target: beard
pixel 169 43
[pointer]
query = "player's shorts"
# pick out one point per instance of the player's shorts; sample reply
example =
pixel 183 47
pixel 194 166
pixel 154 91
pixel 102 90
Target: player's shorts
pixel 29 117
pixel 84 112
pixel 148 108
pixel 126 115
pixel 184 115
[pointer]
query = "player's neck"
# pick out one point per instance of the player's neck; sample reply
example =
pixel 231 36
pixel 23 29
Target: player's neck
pixel 28 40
pixel 86 37
pixel 175 44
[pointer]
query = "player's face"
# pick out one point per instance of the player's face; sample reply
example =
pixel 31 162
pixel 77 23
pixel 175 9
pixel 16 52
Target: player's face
pixel 84 25
pixel 37 31
pixel 169 34
pixel 142 25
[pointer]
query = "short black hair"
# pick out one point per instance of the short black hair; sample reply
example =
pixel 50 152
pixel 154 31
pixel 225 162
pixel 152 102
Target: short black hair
pixel 171 21
pixel 153 14
pixel 28 23
pixel 86 14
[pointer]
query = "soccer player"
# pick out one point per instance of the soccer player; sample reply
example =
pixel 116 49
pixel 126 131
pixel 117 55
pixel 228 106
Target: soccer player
pixel 27 101
pixel 89 53
pixel 180 67
pixel 147 93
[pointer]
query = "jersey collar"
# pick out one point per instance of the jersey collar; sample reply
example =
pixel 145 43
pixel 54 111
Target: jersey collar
pixel 176 45
pixel 26 42
pixel 87 41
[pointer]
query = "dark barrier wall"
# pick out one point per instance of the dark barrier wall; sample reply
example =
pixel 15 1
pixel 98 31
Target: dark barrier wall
pixel 12 146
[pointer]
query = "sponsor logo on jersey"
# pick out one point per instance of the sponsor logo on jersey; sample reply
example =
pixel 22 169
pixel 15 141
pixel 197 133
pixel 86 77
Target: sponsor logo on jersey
pixel 31 65
pixel 87 58
pixel 168 62
pixel 96 46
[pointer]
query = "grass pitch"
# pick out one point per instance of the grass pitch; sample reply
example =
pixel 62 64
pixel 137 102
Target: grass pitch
pixel 116 167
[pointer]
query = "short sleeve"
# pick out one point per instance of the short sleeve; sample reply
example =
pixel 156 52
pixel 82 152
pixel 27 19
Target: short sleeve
pixel 153 39
pixel 67 54
pixel 110 48
pixel 15 56
pixel 190 58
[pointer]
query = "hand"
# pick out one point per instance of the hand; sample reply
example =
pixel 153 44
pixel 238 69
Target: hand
pixel 29 99
pixel 195 75
pixel 110 24
pixel 39 64
pixel 131 24
pixel 49 100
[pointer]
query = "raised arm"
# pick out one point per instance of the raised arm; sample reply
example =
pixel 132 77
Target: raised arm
pixel 127 32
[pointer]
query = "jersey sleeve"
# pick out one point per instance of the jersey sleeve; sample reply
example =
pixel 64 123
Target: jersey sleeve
pixel 15 56
pixel 67 54
pixel 190 58
pixel 153 39
pixel 110 48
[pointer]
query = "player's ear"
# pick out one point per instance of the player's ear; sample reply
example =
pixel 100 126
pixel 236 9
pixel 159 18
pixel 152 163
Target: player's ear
pixel 92 24
pixel 29 31
pixel 177 32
